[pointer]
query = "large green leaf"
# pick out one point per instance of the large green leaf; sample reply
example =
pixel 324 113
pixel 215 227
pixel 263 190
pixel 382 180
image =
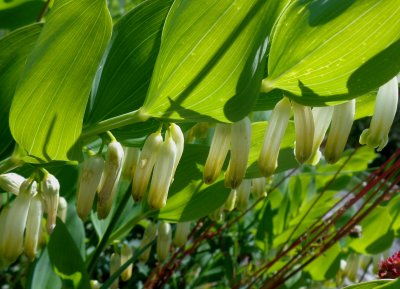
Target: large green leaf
pixel 326 265
pixel 17 13
pixel 212 59
pixel 369 285
pixel 14 49
pixel 325 51
pixel 48 107
pixel 43 275
pixel 66 259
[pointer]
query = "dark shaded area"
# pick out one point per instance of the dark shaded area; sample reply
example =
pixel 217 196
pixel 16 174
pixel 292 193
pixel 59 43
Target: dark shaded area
pixel 323 11
pixel 19 16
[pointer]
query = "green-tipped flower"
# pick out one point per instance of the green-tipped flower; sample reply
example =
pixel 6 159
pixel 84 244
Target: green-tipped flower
pixel 111 175
pixel 268 159
pixel 62 209
pixel 126 254
pixel 382 119
pixel 11 182
pixel 50 192
pixel 33 227
pixel 147 159
pixel 218 150
pixel 115 263
pixel 89 180
pixel 149 235
pixel 231 201
pixel 177 135
pixel 258 188
pixel 322 118
pixel 162 174
pixel 163 241
pixel 243 194
pixel 14 228
pixel 218 214
pixel 181 233
pixel 240 148
pixel 342 120
pixel 304 129
pixel 131 161
pixel 94 284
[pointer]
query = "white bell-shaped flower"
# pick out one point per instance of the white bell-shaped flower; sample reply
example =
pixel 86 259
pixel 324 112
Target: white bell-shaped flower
pixel 163 241
pixel 149 235
pixel 342 121
pixel 162 174
pixel 181 233
pixel 177 135
pixel 89 180
pixel 115 263
pixel 304 131
pixel 243 194
pixel 218 150
pixel 258 188
pixel 11 182
pixel 240 148
pixel 231 201
pixel 382 119
pixel 145 166
pixel 50 188
pixel 268 159
pixel 322 118
pixel 131 160
pixel 111 175
pixel 126 254
pixel 33 227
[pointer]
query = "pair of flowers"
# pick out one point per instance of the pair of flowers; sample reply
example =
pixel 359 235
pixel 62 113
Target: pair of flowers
pixel 21 220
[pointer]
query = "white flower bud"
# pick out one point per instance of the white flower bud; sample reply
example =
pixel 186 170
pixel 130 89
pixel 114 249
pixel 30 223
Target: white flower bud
pixel 268 159
pixel 126 254
pixel 112 173
pixel 382 119
pixel 50 192
pixel 11 182
pixel 243 193
pixel 149 235
pixel 16 221
pixel 258 188
pixel 94 284
pixel 231 201
pixel 177 135
pixel 163 241
pixel 33 227
pixel 304 131
pixel 115 263
pixel 181 233
pixel 322 118
pixel 147 159
pixel 218 150
pixel 131 160
pixel 240 148
pixel 62 209
pixel 89 180
pixel 162 174
pixel 342 121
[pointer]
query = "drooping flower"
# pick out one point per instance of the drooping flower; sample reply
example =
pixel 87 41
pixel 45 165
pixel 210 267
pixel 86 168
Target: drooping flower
pixel 62 209
pixel 163 241
pixel 268 159
pixel 304 131
pixel 322 118
pixel 342 121
pixel 115 263
pixel 145 166
pixel 162 174
pixel 126 254
pixel 50 188
pixel 243 194
pixel 177 136
pixel 231 201
pixel 11 182
pixel 131 159
pixel 111 175
pixel 218 214
pixel 240 148
pixel 390 268
pixel 181 233
pixel 218 150
pixel 33 227
pixel 258 188
pixel 92 169
pixel 149 235
pixel 382 119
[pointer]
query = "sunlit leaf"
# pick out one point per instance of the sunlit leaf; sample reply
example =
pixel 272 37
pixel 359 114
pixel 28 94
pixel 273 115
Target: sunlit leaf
pixel 48 107
pixel 325 51
pixel 326 265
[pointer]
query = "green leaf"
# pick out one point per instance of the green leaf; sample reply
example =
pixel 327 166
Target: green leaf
pixel 66 259
pixel 43 275
pixel 48 107
pixel 377 234
pixel 17 13
pixel 327 51
pixel 326 265
pixel 212 59
pixel 369 285
pixel 14 49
